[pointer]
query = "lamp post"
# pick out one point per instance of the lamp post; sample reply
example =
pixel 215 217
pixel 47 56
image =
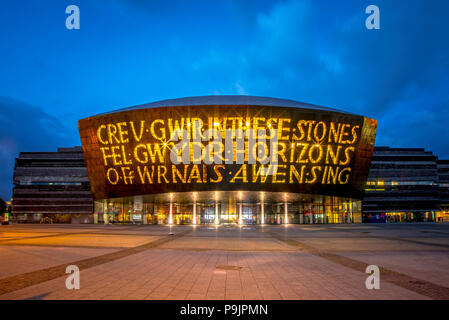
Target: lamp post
pixel 240 213
pixel 194 208
pixel 217 219
pixel 170 217
pixel 285 210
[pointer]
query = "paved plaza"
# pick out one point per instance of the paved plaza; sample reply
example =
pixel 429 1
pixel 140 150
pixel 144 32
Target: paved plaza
pixel 225 262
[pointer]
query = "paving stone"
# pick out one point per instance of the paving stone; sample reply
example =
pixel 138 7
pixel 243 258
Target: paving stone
pixel 325 262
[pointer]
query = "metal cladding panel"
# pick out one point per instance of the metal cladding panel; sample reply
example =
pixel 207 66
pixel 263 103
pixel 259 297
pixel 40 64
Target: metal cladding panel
pixel 319 151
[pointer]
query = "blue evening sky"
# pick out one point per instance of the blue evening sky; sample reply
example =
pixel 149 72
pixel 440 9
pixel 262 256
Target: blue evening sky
pixel 130 52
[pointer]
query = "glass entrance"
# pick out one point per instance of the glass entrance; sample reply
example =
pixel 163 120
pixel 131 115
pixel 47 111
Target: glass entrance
pixel 207 213
pixel 229 212
pixel 249 214
pixel 182 213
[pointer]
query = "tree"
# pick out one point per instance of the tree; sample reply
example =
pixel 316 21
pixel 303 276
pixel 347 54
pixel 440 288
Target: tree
pixel 2 206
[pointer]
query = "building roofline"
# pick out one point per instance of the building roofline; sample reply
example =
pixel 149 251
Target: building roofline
pixel 228 100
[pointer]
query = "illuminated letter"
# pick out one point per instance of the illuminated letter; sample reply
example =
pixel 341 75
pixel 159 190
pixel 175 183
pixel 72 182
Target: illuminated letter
pixel 229 146
pixel 323 131
pixel 105 157
pixel 116 155
pixel 320 154
pixel 334 133
pixel 99 134
pixel 309 129
pixel 243 173
pixel 195 174
pixel 218 173
pixel 301 158
pixel 348 157
pixel 280 152
pixel 129 177
pixel 137 138
pixel 323 180
pixel 281 128
pixel 122 132
pixel 182 147
pixel 281 174
pixel 332 175
pixel 162 135
pixel 294 172
pixel 175 172
pixel 156 151
pixel 314 177
pixel 256 125
pixel 343 134
pixel 301 130
pixel 108 174
pixel 213 152
pixel 347 176
pixel 259 172
pixel 177 125
pixel 144 153
pixel 197 146
pixel 125 160
pixel 197 124
pixel 354 134
pixel 239 151
pixel 330 152
pixel 146 174
pixel 161 174
pixel 112 130
pixel 274 148
pixel 251 134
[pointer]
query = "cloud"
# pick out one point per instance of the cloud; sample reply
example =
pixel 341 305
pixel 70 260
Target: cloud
pixel 25 127
pixel 151 6
pixel 240 89
pixel 315 53
pixel 312 51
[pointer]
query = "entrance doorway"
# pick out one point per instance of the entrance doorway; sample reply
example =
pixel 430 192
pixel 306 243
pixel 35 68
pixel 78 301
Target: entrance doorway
pixel 249 214
pixel 207 213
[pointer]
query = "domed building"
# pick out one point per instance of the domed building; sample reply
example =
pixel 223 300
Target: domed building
pixel 227 159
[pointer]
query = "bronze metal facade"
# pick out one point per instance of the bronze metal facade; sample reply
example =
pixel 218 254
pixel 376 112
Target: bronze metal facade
pixel 318 151
pixel 128 153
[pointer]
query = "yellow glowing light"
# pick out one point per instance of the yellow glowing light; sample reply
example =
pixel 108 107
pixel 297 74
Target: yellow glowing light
pixel 216 124
pixel 188 124
pixel 247 123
